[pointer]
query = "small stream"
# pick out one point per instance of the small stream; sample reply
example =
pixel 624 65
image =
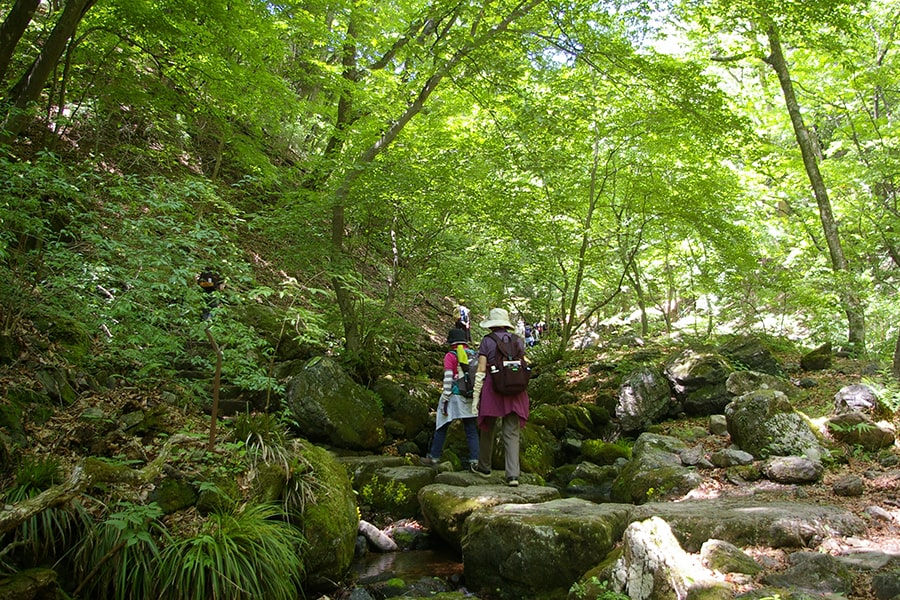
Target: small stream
pixel 409 565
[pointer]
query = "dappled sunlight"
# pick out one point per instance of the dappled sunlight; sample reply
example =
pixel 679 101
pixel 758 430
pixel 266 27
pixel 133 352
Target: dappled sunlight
pixel 710 490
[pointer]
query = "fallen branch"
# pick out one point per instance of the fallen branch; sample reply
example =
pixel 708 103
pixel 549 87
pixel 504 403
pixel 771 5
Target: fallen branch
pixel 84 475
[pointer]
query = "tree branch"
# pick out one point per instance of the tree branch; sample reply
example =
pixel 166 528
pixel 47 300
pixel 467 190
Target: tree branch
pixel 84 475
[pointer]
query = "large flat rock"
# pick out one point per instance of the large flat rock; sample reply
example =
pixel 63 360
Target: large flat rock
pixel 539 550
pixel 752 522
pixel 446 507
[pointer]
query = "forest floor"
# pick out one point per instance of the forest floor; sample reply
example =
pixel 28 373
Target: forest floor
pixel 66 437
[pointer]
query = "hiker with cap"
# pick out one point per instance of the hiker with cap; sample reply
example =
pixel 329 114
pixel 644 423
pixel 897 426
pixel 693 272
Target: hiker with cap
pixel 453 404
pixel 463 321
pixel 490 405
pixel 211 283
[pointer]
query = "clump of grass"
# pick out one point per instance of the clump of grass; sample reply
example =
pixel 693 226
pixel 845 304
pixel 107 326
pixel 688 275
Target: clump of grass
pixel 246 553
pixel 35 475
pixel 265 438
pixel 300 486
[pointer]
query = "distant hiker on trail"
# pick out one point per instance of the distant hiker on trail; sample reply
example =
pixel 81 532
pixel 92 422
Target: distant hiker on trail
pixel 502 353
pixel 210 282
pixel 453 404
pixel 463 321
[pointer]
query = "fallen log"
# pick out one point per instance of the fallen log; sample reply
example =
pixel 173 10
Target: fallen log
pixel 85 474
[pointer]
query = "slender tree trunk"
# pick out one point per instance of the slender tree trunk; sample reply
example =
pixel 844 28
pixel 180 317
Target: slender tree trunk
pixel 28 89
pixel 852 306
pixel 12 30
pixel 593 194
pixel 642 302
pixel 895 367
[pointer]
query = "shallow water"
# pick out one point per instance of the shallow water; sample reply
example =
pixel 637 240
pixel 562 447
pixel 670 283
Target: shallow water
pixel 409 565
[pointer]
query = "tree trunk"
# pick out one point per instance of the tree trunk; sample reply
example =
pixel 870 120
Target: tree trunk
pixel 895 367
pixel 852 306
pixel 12 29
pixel 28 89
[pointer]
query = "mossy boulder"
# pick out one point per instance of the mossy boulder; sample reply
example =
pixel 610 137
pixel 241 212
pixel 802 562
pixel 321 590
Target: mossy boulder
pixel 655 472
pixel 548 388
pixel 328 406
pixel 31 584
pixel 173 495
pixel 818 359
pixel 408 405
pixel 580 418
pixel 550 417
pixel 393 489
pixel 604 453
pixel 329 521
pixel 764 423
pixel 539 450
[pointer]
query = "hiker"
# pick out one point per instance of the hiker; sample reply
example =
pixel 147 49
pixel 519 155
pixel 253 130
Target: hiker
pixel 453 405
pixel 529 335
pixel 210 282
pixel 463 321
pixel 489 405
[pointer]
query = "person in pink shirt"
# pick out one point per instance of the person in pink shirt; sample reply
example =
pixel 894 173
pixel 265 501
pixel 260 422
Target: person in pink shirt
pixel 453 405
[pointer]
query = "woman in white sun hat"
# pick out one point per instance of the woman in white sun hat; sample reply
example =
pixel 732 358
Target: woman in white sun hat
pixel 490 405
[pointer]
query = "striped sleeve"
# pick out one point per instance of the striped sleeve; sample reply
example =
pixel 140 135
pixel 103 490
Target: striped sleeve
pixel 448 381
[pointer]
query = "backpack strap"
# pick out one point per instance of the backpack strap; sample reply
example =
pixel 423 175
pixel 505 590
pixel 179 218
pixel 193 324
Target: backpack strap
pixel 502 347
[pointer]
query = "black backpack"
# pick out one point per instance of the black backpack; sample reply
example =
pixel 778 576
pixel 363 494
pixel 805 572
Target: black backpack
pixel 509 372
pixel 464 381
pixel 209 281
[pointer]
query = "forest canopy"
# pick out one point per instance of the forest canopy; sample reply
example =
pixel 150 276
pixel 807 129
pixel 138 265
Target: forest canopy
pixel 680 168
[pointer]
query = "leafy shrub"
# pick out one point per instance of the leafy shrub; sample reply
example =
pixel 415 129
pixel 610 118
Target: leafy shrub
pixel 119 558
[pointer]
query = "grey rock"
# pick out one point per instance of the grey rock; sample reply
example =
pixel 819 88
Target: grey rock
pixel 644 398
pixel 653 565
pixel 814 572
pixel 730 457
pixel 718 425
pixel 692 456
pixel 792 469
pixel 749 522
pixel 857 429
pixel 855 398
pixel 850 485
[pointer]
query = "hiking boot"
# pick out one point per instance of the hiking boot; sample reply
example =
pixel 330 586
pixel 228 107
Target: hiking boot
pixel 480 471
pixel 427 461
pixel 512 481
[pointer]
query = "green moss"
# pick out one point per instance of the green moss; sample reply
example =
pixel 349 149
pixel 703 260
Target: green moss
pixel 329 521
pixel 604 453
